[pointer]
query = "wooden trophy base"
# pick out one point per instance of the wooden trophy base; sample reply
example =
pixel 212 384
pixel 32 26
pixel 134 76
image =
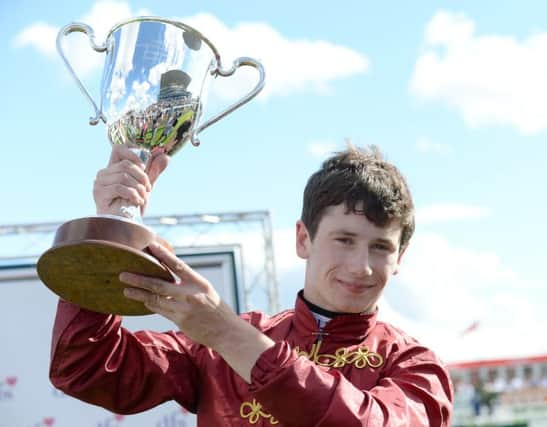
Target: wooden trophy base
pixel 87 256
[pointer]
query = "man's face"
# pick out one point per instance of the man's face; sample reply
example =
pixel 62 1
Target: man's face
pixel 349 261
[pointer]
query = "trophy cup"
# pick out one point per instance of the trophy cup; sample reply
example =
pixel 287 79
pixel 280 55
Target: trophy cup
pixel 154 81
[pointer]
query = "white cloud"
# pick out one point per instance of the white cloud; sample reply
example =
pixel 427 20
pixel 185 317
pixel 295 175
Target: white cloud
pixel 140 96
pixel 105 14
pixel 76 46
pixel 448 29
pixel 450 212
pixel 39 35
pixel 488 79
pixel 425 145
pixel 321 149
pixel 291 65
pixel 443 288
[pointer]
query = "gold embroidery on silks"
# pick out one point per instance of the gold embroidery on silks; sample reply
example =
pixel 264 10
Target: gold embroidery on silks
pixel 360 358
pixel 253 411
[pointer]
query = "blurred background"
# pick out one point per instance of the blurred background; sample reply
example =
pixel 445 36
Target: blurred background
pixel 455 96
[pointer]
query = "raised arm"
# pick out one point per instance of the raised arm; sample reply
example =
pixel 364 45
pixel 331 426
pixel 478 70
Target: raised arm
pixel 96 360
pixel 92 357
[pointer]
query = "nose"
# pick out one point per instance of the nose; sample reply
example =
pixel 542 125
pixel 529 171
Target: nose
pixel 359 265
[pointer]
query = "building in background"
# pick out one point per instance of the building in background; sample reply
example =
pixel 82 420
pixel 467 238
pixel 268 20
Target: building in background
pixel 500 392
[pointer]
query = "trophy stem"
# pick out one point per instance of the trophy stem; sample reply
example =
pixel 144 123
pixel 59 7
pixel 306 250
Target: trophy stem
pixel 126 209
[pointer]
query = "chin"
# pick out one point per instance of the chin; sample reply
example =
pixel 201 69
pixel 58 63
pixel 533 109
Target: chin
pixel 349 308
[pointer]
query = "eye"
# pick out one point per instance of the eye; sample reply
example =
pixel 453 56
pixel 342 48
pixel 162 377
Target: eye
pixel 381 246
pixel 344 240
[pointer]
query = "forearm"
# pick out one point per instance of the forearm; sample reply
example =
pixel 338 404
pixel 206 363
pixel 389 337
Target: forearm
pixel 241 346
pixel 97 361
pixel 78 354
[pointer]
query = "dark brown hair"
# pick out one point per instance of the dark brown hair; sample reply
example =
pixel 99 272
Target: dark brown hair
pixel 367 184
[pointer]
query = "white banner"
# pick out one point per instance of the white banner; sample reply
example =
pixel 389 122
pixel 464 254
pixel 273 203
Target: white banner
pixel 27 398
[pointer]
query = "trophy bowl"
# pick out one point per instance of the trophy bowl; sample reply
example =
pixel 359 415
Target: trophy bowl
pixel 153 89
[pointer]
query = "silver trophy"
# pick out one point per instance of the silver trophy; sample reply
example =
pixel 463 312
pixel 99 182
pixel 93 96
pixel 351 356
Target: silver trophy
pixel 153 87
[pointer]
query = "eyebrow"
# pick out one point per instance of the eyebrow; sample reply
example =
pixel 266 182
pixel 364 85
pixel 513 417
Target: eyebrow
pixel 353 234
pixel 343 232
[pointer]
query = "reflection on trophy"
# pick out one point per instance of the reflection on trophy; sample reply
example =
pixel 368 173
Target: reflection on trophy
pixel 152 95
pixel 164 124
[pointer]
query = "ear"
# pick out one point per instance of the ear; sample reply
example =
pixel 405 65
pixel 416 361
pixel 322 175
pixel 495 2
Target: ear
pixel 302 240
pixel 399 258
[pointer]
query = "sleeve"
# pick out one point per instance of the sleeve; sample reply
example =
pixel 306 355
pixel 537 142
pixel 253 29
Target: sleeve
pixel 415 392
pixel 96 360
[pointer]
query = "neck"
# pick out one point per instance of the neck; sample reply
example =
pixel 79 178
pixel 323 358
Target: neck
pixel 322 311
pixel 327 313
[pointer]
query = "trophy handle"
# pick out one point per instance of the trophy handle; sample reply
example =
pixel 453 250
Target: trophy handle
pixel 87 30
pixel 218 70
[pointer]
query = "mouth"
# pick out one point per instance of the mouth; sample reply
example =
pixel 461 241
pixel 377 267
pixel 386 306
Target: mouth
pixel 355 287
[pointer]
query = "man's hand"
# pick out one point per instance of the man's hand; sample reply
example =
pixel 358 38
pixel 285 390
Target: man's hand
pixel 126 178
pixel 191 303
pixel 196 308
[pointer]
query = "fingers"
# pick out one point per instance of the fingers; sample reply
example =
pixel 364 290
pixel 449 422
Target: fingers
pixel 177 266
pixel 106 191
pixel 166 306
pixel 155 166
pixel 194 306
pixel 124 178
pixel 131 173
pixel 125 174
pixel 123 152
pixel 151 284
pixel 159 296
pixel 105 196
pixel 126 164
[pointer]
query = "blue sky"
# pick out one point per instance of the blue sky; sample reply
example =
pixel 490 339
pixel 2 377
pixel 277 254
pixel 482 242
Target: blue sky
pixel 454 93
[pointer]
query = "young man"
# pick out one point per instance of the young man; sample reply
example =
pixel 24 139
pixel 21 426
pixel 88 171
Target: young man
pixel 327 362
